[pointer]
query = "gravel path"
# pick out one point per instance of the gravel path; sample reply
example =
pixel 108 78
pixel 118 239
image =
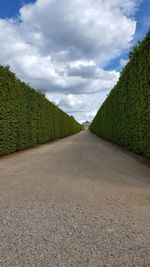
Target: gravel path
pixel 79 201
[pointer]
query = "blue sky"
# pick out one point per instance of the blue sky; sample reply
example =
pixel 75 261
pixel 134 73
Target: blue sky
pixel 143 20
pixel 72 50
pixel 10 9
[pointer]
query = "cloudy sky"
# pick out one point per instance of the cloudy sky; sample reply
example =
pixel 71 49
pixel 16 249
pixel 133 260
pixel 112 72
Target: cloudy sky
pixel 73 50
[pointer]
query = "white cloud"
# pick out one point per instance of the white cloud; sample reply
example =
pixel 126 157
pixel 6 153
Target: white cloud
pixel 124 62
pixel 63 46
pixel 82 107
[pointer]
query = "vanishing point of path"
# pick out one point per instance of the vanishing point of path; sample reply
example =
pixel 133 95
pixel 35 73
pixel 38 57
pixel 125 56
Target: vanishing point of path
pixel 79 201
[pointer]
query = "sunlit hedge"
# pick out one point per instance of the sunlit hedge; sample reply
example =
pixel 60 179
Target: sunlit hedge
pixel 124 117
pixel 27 118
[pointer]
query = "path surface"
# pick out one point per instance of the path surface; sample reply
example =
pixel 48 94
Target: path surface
pixel 79 201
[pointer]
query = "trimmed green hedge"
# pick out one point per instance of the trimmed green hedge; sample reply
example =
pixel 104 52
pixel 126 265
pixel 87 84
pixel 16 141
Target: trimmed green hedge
pixel 124 117
pixel 27 118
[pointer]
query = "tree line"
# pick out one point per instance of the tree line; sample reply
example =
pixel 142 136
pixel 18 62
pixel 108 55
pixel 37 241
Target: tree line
pixel 124 117
pixel 27 118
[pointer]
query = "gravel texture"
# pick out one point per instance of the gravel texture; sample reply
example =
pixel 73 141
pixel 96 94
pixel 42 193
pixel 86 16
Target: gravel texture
pixel 79 201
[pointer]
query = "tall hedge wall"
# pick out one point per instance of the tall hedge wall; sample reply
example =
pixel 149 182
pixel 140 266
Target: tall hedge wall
pixel 124 117
pixel 27 118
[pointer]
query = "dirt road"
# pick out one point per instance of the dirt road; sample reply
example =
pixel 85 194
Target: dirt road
pixel 79 201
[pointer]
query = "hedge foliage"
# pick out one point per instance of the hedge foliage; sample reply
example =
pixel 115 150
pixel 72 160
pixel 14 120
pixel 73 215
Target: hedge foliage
pixel 124 117
pixel 27 118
